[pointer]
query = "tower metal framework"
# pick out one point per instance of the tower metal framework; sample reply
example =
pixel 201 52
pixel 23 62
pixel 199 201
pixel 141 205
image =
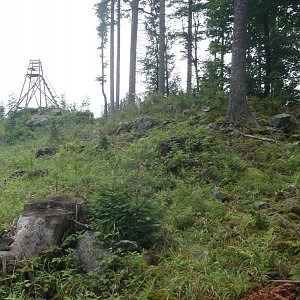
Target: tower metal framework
pixel 36 88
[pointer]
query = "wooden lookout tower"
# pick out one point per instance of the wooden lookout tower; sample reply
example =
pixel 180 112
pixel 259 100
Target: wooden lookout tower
pixel 36 91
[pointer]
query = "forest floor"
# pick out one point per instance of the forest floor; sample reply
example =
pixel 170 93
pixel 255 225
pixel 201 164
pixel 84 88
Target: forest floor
pixel 286 291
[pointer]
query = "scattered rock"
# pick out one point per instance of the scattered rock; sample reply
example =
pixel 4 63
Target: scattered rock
pixel 144 124
pixel 202 256
pixel 91 254
pixel 212 126
pixel 285 223
pixel 37 173
pixel 248 193
pixel 282 121
pixel 18 174
pixel 45 151
pixel 234 133
pixel 151 258
pixel 186 112
pixel 291 188
pixel 141 124
pixel 125 245
pixel 262 204
pixel 37 120
pixel 206 109
pixel 220 195
pixel 288 203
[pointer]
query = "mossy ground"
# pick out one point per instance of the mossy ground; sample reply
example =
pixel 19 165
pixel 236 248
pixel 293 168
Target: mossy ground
pixel 207 249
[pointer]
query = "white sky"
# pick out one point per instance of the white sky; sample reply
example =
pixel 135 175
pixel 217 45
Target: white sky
pixel 62 34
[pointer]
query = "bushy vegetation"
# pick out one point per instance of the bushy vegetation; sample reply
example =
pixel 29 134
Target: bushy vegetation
pixel 161 187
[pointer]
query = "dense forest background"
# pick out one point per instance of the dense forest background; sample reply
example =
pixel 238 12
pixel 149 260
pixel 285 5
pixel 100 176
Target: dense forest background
pixel 271 43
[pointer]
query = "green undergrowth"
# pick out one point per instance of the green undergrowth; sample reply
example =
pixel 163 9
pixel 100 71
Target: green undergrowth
pixel 156 186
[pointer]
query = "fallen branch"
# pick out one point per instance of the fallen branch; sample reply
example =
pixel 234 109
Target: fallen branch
pixel 286 281
pixel 259 138
pixel 85 226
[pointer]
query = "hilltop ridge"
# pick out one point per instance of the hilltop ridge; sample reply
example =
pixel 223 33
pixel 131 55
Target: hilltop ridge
pixel 214 208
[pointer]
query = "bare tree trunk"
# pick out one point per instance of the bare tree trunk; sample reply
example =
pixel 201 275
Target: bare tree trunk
pixel 162 29
pixel 103 80
pixel 133 45
pixel 267 48
pixel 112 56
pixel 118 55
pixel 238 110
pixel 195 59
pixel 189 48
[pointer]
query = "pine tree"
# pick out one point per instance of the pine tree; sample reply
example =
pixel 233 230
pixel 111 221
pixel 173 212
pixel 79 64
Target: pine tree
pixel 238 110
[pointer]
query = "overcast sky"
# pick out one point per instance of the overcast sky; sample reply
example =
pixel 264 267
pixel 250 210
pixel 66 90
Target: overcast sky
pixel 62 34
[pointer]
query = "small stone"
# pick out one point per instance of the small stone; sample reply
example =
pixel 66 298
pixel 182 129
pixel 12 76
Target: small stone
pixel 90 254
pixel 202 256
pixel 288 203
pixel 206 109
pixel 18 174
pixel 45 151
pixel 212 126
pixel 234 133
pixel 291 188
pixel 126 245
pixel 220 195
pixel 262 204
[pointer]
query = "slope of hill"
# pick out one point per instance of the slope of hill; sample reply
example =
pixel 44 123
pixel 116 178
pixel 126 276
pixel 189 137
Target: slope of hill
pixel 215 210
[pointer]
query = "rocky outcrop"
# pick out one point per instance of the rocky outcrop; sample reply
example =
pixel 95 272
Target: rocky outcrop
pixel 141 125
pixel 37 120
pixel 43 223
pixel 282 121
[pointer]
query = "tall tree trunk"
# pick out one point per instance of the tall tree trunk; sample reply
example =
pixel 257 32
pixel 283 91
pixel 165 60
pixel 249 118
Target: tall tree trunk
pixel 189 48
pixel 103 79
pixel 162 46
pixel 195 59
pixel 133 45
pixel 267 48
pixel 118 55
pixel 222 54
pixel 238 110
pixel 112 56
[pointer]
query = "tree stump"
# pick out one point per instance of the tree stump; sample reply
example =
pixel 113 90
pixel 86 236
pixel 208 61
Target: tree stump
pixel 43 223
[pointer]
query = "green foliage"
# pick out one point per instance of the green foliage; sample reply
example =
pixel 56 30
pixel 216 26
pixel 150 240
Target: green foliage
pixel 295 272
pixel 156 186
pixel 115 213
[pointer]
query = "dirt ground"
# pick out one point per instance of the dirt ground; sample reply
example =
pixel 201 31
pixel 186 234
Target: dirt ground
pixel 284 291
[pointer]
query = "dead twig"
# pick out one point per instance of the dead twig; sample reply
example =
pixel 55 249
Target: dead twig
pixel 286 281
pixel 259 138
pixel 84 226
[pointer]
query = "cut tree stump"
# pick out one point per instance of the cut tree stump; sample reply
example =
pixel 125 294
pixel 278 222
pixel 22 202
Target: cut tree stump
pixel 43 223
